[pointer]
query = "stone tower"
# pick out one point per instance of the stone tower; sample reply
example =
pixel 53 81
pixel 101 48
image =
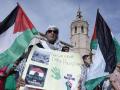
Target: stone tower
pixel 79 35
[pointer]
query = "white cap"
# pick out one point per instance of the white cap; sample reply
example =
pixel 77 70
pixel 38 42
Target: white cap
pixel 52 27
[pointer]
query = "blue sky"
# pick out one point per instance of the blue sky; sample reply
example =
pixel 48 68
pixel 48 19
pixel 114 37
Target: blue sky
pixel 62 12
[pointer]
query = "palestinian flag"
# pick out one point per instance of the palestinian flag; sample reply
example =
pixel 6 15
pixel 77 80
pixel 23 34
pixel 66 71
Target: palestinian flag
pixel 104 58
pixel 37 70
pixel 16 32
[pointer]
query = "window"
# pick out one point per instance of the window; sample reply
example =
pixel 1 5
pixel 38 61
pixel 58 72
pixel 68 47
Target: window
pixel 75 43
pixel 82 29
pixel 75 29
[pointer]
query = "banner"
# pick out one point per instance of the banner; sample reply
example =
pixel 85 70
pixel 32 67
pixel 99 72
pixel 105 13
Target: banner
pixel 52 70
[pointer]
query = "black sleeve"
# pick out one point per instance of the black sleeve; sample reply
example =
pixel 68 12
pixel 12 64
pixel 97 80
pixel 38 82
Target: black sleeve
pixel 39 45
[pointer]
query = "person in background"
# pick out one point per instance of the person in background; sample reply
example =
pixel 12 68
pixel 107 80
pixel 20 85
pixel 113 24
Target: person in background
pixel 112 82
pixel 87 59
pixel 65 49
pixel 115 78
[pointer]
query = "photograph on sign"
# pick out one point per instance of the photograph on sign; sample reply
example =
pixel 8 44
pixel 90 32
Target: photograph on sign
pixel 36 76
pixel 41 57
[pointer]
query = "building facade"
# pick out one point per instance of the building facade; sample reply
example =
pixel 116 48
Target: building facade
pixel 79 35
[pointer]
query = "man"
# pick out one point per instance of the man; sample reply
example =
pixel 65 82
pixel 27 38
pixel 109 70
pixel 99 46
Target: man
pixel 112 82
pixel 65 49
pixel 87 61
pixel 51 42
pixel 115 78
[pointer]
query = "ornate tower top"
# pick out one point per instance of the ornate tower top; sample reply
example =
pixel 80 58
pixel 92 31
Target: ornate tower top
pixel 79 16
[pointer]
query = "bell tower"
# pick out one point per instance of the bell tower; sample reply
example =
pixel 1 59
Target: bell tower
pixel 79 34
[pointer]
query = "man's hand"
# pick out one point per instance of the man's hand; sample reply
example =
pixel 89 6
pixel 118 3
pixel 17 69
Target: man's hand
pixel 20 82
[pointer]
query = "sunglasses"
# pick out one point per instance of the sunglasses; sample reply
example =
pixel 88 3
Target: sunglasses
pixel 54 31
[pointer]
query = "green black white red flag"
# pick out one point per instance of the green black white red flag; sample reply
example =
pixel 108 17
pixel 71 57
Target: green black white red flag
pixel 16 32
pixel 104 58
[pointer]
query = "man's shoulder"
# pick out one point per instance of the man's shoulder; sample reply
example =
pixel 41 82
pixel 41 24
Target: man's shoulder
pixel 35 40
pixel 39 37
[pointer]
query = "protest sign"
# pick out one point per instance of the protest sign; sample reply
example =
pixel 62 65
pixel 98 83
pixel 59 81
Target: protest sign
pixel 52 70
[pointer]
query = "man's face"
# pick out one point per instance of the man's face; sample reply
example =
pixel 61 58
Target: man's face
pixel 66 49
pixel 52 36
pixel 88 60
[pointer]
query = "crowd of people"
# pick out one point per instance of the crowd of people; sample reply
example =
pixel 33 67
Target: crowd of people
pixel 112 82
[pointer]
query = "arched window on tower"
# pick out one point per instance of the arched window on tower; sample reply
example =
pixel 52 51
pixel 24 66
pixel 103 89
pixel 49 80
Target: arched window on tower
pixel 75 43
pixel 75 29
pixel 82 29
